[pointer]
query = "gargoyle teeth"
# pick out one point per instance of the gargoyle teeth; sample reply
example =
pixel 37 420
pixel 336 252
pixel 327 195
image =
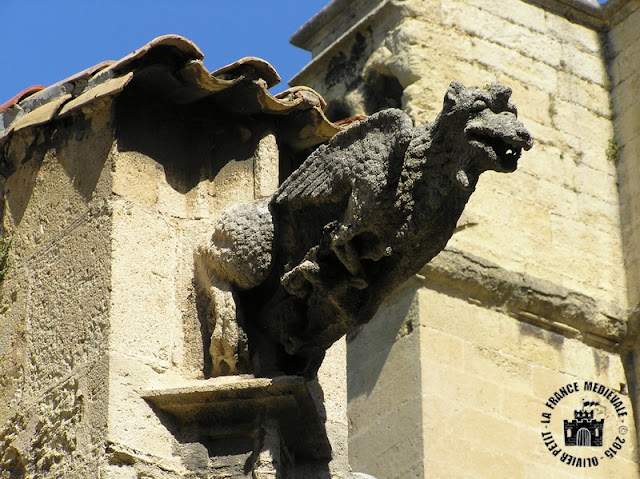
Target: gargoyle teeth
pixel 506 153
pixel 463 179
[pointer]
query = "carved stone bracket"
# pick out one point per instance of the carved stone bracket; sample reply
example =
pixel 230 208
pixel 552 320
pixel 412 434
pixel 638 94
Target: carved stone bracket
pixel 259 407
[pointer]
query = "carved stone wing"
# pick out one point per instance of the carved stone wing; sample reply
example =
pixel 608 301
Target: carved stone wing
pixel 367 153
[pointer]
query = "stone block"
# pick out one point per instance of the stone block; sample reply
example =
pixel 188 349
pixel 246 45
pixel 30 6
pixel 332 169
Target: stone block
pixel 441 347
pixel 265 166
pixel 547 379
pixel 397 366
pixel 497 367
pixel 550 162
pixel 523 409
pixel 585 241
pixel 596 183
pixel 469 389
pixel 488 432
pixel 332 378
pixel 625 63
pixel 515 11
pixel 381 400
pixel 627 125
pixel 520 215
pixel 385 433
pixel 585 93
pixel 579 122
pixel 603 215
pixel 544 133
pixel 523 69
pixel 587 65
pixel 135 177
pixel 145 318
pixel 386 340
pixel 625 33
pixel 487 25
pixel 625 95
pixel 401 461
pixel 133 425
pixel 468 321
pixel 532 103
pixel 579 36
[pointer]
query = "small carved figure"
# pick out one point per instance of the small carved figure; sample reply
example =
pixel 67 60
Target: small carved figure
pixel 360 216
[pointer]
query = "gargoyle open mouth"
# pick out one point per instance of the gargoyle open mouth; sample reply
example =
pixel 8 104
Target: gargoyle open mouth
pixel 503 154
pixel 506 154
pixel 501 137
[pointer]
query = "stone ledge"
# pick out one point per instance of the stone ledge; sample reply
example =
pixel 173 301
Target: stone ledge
pixel 225 403
pixel 585 12
pixel 533 300
pixel 588 13
pixel 303 36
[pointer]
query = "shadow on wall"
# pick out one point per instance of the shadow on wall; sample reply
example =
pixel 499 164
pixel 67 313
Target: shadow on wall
pixel 390 332
pixel 191 142
pixel 378 90
pixel 79 146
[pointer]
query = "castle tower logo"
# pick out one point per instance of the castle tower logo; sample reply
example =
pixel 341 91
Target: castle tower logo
pixel 584 430
pixel 592 434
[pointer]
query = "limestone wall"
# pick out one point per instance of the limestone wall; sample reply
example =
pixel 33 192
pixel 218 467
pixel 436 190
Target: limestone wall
pixel 385 391
pixel 444 382
pixel 163 208
pixel 624 61
pixel 101 306
pixel 486 377
pixel 56 298
pixel 624 39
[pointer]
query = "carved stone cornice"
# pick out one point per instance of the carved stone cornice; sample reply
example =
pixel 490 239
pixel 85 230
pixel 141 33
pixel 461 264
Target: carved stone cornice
pixel 530 299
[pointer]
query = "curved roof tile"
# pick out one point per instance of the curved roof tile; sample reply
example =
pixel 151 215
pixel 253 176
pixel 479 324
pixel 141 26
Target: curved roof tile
pixel 21 96
pixel 171 66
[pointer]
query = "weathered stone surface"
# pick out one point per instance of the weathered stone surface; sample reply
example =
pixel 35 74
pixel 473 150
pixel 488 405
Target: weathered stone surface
pixel 360 216
pixel 55 301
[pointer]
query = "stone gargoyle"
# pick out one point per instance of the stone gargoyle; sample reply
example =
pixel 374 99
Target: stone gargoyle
pixel 291 274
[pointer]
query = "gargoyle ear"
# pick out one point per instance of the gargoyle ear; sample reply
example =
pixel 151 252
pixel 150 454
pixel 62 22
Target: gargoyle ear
pixel 453 95
pixel 501 93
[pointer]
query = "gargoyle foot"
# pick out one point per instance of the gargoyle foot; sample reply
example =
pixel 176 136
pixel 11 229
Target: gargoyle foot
pixel 228 347
pixel 350 259
pixel 298 281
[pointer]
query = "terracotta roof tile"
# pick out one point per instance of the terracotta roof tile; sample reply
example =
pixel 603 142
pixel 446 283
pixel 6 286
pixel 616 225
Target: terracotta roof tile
pixel 107 88
pixel 249 66
pixel 21 96
pixel 171 67
pixel 182 48
pixel 41 115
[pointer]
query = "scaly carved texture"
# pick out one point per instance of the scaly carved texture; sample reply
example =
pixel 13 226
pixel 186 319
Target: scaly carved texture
pixel 236 255
pixel 240 249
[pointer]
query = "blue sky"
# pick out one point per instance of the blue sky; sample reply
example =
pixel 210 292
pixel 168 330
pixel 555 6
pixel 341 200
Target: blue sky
pixel 46 41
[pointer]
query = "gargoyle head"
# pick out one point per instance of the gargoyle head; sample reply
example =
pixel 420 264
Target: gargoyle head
pixel 488 118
